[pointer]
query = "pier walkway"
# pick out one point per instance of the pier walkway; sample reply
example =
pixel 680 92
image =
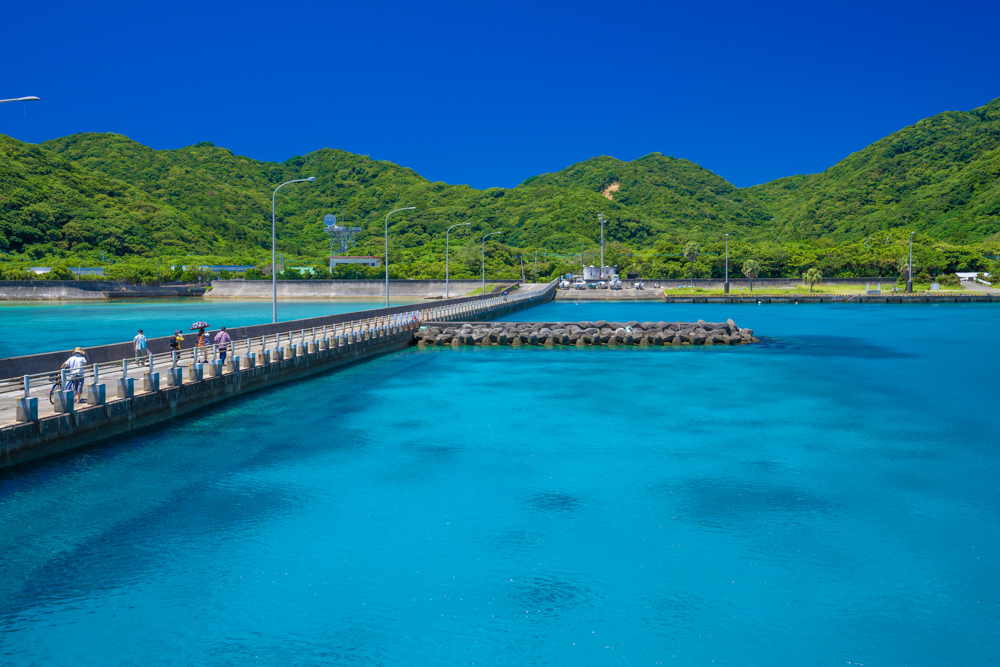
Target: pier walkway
pixel 121 395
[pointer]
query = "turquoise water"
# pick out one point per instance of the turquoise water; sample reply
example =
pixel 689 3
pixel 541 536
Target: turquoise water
pixel 828 498
pixel 30 327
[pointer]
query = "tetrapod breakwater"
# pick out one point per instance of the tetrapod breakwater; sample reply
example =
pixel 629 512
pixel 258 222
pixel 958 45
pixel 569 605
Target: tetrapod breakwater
pixel 582 334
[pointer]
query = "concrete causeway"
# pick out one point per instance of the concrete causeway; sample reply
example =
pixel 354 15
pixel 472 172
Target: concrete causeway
pixel 32 427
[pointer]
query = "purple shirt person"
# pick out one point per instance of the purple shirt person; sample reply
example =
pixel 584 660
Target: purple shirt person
pixel 223 339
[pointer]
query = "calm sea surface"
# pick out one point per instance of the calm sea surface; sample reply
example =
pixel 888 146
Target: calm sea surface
pixel 30 327
pixel 828 498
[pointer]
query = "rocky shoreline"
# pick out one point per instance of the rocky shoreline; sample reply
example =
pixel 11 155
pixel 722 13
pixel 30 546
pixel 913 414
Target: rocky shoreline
pixel 582 334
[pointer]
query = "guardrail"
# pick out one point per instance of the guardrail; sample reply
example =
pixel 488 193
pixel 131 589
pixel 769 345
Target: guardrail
pixel 52 387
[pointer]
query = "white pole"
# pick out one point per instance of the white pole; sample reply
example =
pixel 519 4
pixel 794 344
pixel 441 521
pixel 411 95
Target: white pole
pixel 446 255
pixel 601 273
pixel 274 267
pixel 408 208
pixel 484 259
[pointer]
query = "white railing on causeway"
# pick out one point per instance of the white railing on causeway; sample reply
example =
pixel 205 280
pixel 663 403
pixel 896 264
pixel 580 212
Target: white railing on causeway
pixel 296 342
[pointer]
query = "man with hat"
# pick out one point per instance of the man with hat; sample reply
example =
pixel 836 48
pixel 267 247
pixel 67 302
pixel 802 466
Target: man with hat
pixel 75 364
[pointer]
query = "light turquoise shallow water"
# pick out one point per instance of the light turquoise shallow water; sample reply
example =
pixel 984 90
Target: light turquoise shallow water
pixel 30 327
pixel 828 498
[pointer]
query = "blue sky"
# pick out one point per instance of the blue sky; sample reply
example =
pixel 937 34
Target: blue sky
pixel 492 93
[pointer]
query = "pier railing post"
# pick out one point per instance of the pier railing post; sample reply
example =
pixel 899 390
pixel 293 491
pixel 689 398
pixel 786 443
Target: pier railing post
pixel 95 390
pixel 27 407
pixel 125 385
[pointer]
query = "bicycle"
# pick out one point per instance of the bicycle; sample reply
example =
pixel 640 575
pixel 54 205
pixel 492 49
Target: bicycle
pixel 74 384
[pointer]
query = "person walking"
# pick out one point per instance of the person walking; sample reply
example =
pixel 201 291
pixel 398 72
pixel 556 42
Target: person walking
pixel 176 340
pixel 74 379
pixel 140 348
pixel 223 339
pixel 200 343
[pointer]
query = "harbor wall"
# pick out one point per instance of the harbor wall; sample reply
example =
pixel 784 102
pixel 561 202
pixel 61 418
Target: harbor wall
pixel 15 367
pixel 344 289
pixel 82 290
pixel 23 441
pixel 29 440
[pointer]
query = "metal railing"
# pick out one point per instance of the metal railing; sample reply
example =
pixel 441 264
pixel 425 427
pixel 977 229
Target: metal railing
pixel 303 341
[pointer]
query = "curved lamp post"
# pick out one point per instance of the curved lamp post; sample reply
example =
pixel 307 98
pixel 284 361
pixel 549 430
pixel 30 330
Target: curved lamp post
pixel 484 259
pixel 461 224
pixel 23 99
pixel 408 208
pixel 274 266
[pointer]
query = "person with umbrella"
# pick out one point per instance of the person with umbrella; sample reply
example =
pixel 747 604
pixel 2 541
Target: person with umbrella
pixel 202 340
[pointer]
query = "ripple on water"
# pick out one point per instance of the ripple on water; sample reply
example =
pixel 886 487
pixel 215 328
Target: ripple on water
pixel 552 502
pixel 547 593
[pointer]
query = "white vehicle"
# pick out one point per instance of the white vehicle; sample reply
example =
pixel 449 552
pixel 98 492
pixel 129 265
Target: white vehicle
pixel 616 284
pixel 580 284
pixel 639 286
pixel 602 285
pixel 564 284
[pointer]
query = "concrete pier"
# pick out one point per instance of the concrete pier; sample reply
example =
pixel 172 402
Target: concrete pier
pixel 25 434
pixel 76 425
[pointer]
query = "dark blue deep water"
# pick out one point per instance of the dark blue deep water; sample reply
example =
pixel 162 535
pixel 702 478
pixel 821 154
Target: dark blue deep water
pixel 827 498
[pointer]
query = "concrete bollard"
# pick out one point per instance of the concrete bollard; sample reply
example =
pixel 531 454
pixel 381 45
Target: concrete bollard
pixel 196 372
pixel 279 354
pixel 293 351
pixel 151 381
pixel 125 387
pixel 250 360
pixel 265 357
pixel 214 369
pixel 233 364
pixel 313 347
pixel 175 377
pixel 26 410
pixel 62 401
pixel 324 344
pixel 95 394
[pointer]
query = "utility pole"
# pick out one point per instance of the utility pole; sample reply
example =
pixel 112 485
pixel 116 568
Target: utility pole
pixel 601 218
pixel 909 272
pixel 727 263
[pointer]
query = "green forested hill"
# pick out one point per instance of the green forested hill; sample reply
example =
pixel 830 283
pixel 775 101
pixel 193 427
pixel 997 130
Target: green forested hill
pixel 46 199
pixel 939 176
pixel 659 197
pixel 73 198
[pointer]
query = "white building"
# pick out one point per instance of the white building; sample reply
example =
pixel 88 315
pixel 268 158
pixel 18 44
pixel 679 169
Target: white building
pixel 365 260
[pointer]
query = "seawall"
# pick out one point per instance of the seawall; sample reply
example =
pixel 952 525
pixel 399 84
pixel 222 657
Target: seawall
pixel 51 433
pixel 15 367
pixel 84 290
pixel 29 440
pixel 344 289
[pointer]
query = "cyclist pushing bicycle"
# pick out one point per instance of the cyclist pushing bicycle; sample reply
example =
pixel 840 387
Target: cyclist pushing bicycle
pixel 74 378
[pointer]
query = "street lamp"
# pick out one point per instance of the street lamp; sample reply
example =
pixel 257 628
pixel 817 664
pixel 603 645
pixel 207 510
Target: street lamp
pixel 909 272
pixel 408 208
pixel 484 259
pixel 23 99
pixel 274 266
pixel 461 224
pixel 727 263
